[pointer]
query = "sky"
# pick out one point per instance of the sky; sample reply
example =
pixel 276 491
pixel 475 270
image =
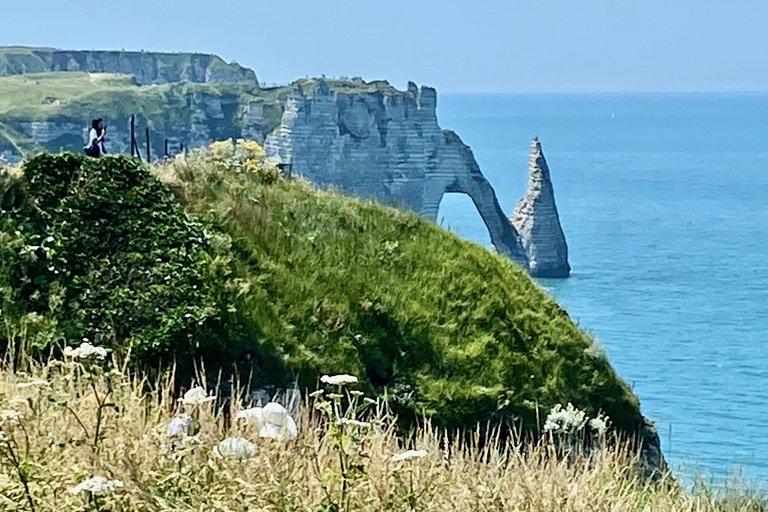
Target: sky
pixel 490 46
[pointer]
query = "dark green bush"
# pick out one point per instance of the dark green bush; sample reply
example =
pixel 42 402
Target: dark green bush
pixel 109 254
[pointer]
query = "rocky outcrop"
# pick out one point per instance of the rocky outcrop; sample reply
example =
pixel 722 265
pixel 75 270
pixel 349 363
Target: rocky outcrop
pixel 147 67
pixel 385 144
pixel 536 220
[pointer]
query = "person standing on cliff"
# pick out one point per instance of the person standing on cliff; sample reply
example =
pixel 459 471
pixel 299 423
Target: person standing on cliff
pixel 96 135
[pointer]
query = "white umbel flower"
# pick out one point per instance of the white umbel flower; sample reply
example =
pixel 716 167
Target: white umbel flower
pixel 33 384
pixel 338 380
pixel 600 424
pixel 85 351
pixel 235 447
pixel 196 396
pixel 273 421
pixel 10 417
pixel 410 454
pixel 278 424
pixel 253 416
pixel 354 423
pixel 180 428
pixel 97 485
pixel 565 420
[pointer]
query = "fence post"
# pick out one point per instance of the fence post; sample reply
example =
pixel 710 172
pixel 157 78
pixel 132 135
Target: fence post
pixel 148 153
pixel 166 148
pixel 133 133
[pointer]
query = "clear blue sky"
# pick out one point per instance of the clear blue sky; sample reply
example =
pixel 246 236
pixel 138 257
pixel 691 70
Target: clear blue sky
pixel 454 45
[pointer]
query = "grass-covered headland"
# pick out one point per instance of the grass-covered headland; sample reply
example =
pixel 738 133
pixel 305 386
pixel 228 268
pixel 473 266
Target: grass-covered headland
pixel 214 258
pixel 214 265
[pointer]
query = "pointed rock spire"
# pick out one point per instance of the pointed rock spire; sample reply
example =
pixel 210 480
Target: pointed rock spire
pixel 536 220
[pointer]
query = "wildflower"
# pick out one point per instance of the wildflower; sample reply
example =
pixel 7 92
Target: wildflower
pixel 254 416
pixel 338 380
pixel 565 420
pixel 278 424
pixel 354 423
pixel 196 396
pixel 97 485
pixel 33 383
pixel 235 447
pixel 272 420
pixel 599 424
pixel 410 454
pixel 181 427
pixel 9 417
pixel 85 351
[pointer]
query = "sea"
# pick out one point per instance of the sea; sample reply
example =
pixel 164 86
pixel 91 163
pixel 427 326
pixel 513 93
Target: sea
pixel 663 199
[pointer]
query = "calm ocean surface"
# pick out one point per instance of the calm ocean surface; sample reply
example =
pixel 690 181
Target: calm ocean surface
pixel 664 203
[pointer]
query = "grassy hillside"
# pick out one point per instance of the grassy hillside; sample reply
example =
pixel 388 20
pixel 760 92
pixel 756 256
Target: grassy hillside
pixel 282 281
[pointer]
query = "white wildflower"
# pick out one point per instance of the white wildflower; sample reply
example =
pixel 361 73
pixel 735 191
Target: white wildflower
pixel 273 421
pixel 410 454
pixel 33 383
pixel 354 423
pixel 253 416
pixel 196 396
pixel 277 423
pixel 9 417
pixel 338 380
pixel 97 485
pixel 85 351
pixel 565 420
pixel 235 447
pixel 600 424
pixel 180 427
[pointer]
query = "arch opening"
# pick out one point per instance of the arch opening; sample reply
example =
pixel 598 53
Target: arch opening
pixel 457 213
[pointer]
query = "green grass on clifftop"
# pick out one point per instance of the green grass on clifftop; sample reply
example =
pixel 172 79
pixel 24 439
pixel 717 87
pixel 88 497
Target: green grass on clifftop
pixel 288 282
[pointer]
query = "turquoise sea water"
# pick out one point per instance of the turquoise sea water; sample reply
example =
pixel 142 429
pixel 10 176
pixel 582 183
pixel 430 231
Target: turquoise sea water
pixel 664 202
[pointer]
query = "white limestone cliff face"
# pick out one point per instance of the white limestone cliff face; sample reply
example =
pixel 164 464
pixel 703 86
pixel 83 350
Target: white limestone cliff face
pixel 538 223
pixel 389 146
pixel 147 67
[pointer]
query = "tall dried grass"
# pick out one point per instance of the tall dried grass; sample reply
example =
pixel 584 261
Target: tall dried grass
pixel 65 422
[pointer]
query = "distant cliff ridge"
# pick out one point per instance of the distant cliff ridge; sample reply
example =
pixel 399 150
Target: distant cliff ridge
pixel 147 67
pixel 366 138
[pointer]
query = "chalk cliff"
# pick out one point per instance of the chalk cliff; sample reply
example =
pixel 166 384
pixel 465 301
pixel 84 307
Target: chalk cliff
pixel 146 67
pixel 366 138
pixel 387 144
pixel 538 223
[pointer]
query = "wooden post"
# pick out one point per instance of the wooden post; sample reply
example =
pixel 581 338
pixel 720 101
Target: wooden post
pixel 181 148
pixel 133 134
pixel 148 153
pixel 166 148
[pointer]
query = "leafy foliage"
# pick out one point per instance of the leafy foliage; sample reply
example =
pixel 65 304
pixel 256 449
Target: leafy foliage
pixel 109 255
